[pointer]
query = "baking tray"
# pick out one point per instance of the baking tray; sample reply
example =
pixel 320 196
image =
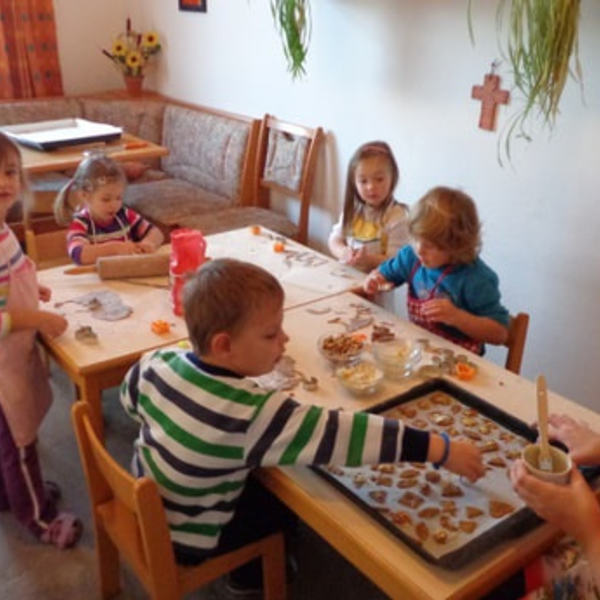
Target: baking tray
pixel 462 547
pixel 50 135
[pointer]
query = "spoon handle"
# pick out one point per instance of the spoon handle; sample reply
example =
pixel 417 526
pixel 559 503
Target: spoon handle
pixel 542 407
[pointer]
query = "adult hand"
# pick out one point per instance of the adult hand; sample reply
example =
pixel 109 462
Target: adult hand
pixel 583 443
pixel 572 507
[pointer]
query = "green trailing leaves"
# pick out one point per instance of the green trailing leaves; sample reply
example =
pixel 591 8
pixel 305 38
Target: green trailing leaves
pixel 539 39
pixel 292 19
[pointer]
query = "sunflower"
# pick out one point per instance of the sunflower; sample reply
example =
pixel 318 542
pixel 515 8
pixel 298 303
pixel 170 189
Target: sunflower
pixel 150 41
pixel 134 60
pixel 119 48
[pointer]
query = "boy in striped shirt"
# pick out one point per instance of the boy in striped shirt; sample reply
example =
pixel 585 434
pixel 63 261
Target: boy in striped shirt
pixel 205 425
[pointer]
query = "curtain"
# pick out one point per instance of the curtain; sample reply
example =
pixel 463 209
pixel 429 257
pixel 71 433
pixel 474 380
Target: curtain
pixel 29 64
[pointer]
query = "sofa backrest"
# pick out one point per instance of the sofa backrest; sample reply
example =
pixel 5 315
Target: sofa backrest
pixel 206 149
pixel 13 112
pixel 143 118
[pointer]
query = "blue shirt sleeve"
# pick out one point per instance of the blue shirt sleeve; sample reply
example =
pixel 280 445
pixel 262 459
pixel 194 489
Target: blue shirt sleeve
pixel 398 269
pixel 482 297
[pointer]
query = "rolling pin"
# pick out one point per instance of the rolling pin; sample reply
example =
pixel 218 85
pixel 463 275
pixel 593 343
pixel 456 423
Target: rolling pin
pixel 128 266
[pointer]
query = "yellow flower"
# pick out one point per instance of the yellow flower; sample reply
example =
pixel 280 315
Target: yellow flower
pixel 119 48
pixel 150 40
pixel 134 60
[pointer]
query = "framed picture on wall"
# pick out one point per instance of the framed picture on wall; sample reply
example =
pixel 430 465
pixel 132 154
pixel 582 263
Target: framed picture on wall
pixel 195 5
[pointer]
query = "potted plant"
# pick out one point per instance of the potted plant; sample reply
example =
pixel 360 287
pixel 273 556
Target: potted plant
pixel 131 52
pixel 292 19
pixel 539 40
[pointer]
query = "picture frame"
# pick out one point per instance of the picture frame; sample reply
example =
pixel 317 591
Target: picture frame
pixel 193 5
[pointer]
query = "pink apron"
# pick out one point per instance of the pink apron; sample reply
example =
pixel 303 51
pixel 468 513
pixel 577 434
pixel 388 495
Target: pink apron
pixel 25 394
pixel 414 307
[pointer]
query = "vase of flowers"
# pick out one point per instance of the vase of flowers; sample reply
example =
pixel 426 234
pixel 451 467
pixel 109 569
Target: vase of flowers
pixel 131 52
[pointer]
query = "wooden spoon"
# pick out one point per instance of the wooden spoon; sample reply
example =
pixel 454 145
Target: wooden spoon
pixel 545 457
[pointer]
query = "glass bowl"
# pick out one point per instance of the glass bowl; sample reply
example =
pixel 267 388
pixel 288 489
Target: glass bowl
pixel 361 379
pixel 340 348
pixel 397 358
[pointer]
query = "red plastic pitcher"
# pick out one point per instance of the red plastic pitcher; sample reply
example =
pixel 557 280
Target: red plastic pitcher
pixel 188 248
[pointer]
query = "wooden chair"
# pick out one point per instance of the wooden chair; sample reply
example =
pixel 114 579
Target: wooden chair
pixel 286 162
pixel 47 249
pixel 517 334
pixel 129 520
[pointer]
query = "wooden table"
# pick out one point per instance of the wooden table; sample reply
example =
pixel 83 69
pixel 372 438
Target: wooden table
pixel 95 367
pixel 382 557
pixel 128 147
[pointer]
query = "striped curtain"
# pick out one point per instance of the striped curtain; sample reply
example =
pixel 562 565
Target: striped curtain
pixel 29 64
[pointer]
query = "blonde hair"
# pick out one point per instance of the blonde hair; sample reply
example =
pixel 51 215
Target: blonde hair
pixel 92 173
pixel 448 218
pixel 353 203
pixel 221 296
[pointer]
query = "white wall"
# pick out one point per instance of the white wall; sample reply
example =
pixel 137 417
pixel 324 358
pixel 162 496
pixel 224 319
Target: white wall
pixel 402 70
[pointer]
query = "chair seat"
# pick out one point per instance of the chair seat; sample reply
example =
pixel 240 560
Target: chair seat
pixel 238 217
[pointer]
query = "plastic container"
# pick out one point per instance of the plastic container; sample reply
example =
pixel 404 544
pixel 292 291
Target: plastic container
pixel 361 379
pixel 397 358
pixel 188 248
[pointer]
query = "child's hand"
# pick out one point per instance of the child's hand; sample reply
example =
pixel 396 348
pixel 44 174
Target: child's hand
pixel 146 247
pixel 465 459
pixel 44 293
pixel 583 443
pixel 573 507
pixel 127 248
pixel 441 310
pixel 374 281
pixel 51 324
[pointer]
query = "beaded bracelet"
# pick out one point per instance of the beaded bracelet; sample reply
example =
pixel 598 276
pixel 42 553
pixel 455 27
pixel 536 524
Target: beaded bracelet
pixel 441 462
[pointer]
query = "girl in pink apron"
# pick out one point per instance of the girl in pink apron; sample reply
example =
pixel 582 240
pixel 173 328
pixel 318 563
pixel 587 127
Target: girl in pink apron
pixel 452 292
pixel 25 393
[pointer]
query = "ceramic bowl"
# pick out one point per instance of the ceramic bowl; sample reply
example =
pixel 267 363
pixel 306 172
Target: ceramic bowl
pixel 340 348
pixel 361 379
pixel 397 358
pixel 561 464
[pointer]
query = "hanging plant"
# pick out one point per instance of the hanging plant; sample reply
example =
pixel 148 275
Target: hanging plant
pixel 292 19
pixel 542 50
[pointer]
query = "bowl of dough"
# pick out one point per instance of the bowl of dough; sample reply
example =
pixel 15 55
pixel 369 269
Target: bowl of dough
pixel 397 358
pixel 361 379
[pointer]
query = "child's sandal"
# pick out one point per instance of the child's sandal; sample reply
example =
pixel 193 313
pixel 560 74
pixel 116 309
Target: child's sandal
pixel 63 532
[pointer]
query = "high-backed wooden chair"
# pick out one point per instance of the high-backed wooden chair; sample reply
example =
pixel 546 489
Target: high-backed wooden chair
pixel 286 163
pixel 47 249
pixel 517 334
pixel 129 520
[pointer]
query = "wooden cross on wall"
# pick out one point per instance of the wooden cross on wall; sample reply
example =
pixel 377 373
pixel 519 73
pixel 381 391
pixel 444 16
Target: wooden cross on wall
pixel 490 95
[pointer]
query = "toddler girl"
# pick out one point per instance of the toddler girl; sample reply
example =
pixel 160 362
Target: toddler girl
pixel 99 223
pixel 25 393
pixel 372 226
pixel 452 292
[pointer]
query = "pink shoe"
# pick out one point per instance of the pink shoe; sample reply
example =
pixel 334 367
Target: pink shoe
pixel 64 531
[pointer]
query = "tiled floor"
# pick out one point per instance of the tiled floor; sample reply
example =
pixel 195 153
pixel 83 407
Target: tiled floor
pixel 32 571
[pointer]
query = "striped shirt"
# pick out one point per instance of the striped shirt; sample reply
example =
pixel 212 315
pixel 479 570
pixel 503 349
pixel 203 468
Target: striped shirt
pixel 127 225
pixel 204 428
pixel 11 259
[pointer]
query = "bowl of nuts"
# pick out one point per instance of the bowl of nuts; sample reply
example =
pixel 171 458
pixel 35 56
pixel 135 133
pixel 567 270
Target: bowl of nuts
pixel 361 379
pixel 340 348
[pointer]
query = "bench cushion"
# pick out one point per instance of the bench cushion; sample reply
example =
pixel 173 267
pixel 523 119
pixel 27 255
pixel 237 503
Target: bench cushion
pixel 240 216
pixel 21 111
pixel 170 200
pixel 205 149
